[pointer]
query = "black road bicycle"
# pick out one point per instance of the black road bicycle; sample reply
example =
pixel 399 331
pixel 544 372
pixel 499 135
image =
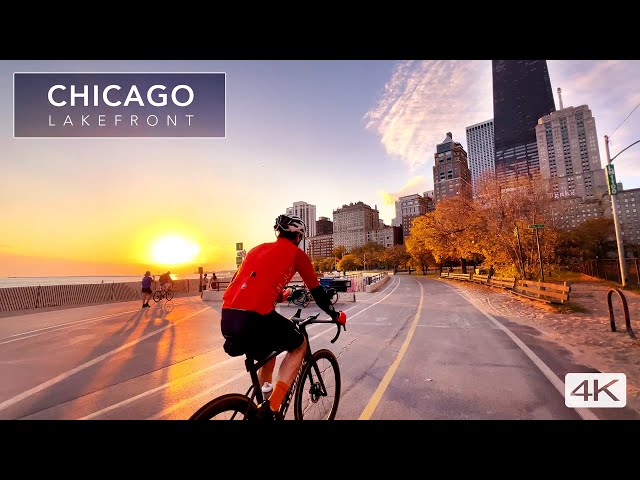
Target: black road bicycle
pixel 301 296
pixel 315 390
pixel 158 295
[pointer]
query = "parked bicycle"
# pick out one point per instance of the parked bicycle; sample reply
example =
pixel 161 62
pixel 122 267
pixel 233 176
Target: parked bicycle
pixel 301 296
pixel 316 388
pixel 158 295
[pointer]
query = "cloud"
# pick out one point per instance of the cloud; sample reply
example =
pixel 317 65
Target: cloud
pixel 416 184
pixel 424 100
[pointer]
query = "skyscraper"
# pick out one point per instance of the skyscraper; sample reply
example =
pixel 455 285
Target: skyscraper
pixel 570 166
pixel 324 226
pixel 480 143
pixel 569 153
pixel 451 175
pixel 521 95
pixel 351 224
pixel 412 207
pixel 307 213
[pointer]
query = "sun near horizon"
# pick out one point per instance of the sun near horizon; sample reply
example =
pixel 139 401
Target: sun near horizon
pixel 174 250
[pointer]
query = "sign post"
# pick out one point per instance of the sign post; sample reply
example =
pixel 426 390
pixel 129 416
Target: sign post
pixel 240 254
pixel 612 184
pixel 536 227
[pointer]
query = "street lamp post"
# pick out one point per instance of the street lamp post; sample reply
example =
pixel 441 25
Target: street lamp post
pixel 613 191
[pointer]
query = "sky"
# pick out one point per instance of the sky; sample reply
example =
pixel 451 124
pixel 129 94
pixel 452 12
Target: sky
pixel 325 132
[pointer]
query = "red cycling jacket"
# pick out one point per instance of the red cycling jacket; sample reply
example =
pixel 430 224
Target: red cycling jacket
pixel 264 273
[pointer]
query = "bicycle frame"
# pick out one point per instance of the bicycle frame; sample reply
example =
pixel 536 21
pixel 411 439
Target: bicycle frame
pixel 252 366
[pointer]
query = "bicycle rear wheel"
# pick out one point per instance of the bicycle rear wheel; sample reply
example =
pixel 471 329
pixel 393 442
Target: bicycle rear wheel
pixel 318 393
pixel 157 296
pixel 169 294
pixel 232 406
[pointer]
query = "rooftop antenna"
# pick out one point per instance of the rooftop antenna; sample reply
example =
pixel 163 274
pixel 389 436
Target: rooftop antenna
pixel 560 97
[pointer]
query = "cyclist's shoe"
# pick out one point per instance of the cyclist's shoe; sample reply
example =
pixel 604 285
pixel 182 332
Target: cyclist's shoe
pixel 265 412
pixel 267 388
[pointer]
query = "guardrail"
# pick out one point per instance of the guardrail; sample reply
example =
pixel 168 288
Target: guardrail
pixel 370 280
pixel 543 291
pixel 25 298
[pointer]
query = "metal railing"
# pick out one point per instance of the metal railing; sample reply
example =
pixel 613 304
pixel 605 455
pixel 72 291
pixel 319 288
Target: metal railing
pixel 609 269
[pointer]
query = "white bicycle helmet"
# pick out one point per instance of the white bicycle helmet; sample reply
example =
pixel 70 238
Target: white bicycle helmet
pixel 290 223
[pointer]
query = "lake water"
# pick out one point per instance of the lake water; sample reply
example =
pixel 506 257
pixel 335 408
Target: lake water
pixel 7 282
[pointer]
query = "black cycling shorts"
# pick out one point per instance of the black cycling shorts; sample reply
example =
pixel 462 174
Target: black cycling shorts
pixel 257 335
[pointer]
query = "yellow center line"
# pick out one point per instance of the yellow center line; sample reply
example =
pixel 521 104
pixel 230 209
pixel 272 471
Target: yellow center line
pixel 377 395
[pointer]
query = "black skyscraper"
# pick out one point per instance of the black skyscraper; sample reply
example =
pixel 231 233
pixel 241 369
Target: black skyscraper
pixel 521 95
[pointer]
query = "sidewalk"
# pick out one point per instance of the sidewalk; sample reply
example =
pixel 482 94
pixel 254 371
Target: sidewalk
pixel 581 325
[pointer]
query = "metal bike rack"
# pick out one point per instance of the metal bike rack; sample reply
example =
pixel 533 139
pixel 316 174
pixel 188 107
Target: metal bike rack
pixel 625 306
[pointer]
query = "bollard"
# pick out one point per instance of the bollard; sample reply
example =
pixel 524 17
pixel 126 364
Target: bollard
pixel 625 307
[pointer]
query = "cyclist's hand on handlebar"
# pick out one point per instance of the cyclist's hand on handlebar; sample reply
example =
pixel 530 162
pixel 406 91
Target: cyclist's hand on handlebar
pixel 286 293
pixel 341 318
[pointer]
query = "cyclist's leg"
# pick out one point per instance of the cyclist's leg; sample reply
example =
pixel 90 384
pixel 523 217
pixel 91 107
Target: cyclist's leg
pixel 265 374
pixel 281 332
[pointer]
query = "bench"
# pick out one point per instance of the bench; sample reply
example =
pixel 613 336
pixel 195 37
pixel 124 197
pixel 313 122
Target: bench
pixel 543 291
pixel 481 279
pixel 502 282
pixel 460 276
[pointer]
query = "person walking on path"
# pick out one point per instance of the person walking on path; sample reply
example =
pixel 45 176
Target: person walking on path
pixel 146 289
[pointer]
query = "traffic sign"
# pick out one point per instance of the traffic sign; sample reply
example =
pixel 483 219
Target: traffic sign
pixel 238 260
pixel 239 246
pixel 612 185
pixel 537 225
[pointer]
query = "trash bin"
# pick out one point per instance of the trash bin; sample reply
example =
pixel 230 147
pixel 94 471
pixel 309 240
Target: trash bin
pixel 341 284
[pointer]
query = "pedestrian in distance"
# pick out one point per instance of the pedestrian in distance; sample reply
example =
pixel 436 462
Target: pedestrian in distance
pixel 147 294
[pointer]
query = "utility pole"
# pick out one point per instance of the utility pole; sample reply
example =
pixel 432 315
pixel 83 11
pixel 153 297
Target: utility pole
pixel 539 255
pixel 613 191
pixel 524 274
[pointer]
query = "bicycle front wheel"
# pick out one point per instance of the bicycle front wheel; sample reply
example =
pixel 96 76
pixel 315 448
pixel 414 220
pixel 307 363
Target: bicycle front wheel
pixel 306 299
pixel 157 296
pixel 169 294
pixel 318 393
pixel 232 406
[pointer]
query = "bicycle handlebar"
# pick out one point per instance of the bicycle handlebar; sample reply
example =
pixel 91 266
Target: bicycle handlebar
pixel 313 319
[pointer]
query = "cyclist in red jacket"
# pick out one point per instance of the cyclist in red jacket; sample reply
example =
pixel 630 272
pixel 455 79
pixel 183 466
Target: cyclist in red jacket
pixel 249 321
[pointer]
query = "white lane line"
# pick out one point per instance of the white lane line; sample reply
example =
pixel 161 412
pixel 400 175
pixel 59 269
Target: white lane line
pixel 384 383
pixel 585 413
pixel 62 326
pixel 218 385
pixel 157 389
pixel 373 323
pixel 73 371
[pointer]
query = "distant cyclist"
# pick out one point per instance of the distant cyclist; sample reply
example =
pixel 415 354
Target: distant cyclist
pixel 249 321
pixel 166 282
